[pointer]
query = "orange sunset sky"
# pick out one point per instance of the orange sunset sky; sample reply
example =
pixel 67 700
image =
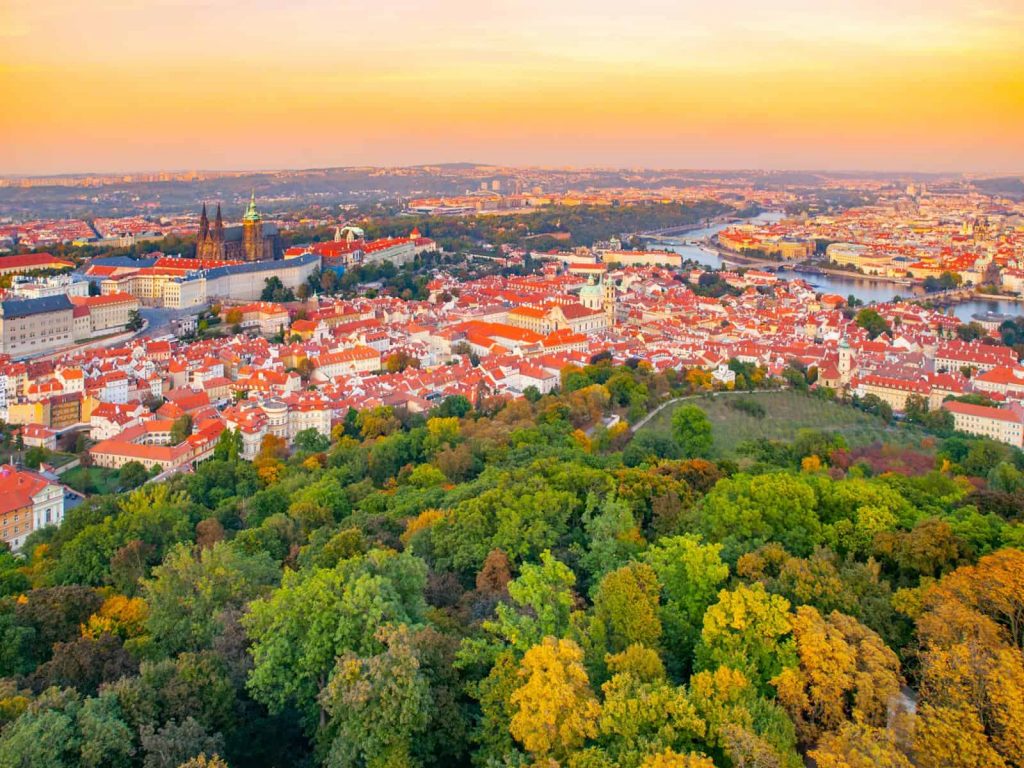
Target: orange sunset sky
pixel 111 85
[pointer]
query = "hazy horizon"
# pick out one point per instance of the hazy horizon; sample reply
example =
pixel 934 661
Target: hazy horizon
pixel 262 169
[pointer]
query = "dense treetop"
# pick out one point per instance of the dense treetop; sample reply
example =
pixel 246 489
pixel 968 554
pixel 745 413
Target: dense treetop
pixel 520 584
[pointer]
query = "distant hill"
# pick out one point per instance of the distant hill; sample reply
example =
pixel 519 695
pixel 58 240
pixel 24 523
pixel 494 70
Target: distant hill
pixel 1012 186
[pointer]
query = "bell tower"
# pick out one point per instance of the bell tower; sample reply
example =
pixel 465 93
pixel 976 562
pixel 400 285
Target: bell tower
pixel 845 361
pixel 252 232
pixel 609 298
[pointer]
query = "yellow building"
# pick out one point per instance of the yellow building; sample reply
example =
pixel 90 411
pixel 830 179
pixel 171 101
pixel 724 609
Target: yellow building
pixel 108 313
pixel 1003 424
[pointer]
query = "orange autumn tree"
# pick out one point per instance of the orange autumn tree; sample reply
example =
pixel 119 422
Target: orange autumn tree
pixel 972 672
pixel 269 461
pixel 856 745
pixel 845 672
pixel 119 615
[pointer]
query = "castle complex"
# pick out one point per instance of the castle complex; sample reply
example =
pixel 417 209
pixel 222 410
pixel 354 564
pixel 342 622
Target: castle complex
pixel 252 241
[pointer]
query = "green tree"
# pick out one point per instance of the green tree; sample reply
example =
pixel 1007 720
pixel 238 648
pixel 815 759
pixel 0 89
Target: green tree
pixel 690 574
pixel 45 736
pixel 311 441
pixel 189 590
pixel 540 604
pixel 180 429
pixel 107 741
pixel 872 322
pixel 522 516
pixel 132 475
pixel 229 446
pixel 626 608
pixel 748 630
pixel 377 705
pixel 454 405
pixel 274 290
pixel 691 429
pixel 744 511
pixel 35 456
pixel 318 614
pixel 175 743
pixel 614 538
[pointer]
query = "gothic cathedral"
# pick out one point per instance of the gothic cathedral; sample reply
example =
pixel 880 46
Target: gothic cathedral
pixel 252 241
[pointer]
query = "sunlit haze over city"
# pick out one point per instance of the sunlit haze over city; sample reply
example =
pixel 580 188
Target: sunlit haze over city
pixel 113 85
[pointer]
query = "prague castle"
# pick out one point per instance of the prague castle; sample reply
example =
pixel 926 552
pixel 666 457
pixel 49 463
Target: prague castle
pixel 252 241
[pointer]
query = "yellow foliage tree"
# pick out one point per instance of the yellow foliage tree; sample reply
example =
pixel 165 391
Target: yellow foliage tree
pixel 994 588
pixel 314 462
pixel 856 745
pixel 121 616
pixel 845 671
pixel 670 759
pixel 946 737
pixel 642 711
pixel 581 439
pixel 699 380
pixel 268 462
pixel 747 629
pixel 422 522
pixel 971 627
pixel 441 431
pixel 202 761
pixel 587 405
pixel 377 422
pixel 554 709
pixel 626 606
pixel 810 464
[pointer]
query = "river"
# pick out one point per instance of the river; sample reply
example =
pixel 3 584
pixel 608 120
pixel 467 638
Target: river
pixel 864 289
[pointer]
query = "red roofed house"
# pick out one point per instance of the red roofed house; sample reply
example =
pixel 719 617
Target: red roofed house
pixel 28 262
pixel 954 355
pixel 28 501
pixel 108 313
pixel 893 391
pixel 39 436
pixel 1003 424
pixel 357 359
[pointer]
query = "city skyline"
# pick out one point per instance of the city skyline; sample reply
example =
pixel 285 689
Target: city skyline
pixel 899 86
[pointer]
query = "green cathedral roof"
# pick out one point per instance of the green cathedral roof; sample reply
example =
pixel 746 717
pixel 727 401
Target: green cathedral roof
pixel 251 214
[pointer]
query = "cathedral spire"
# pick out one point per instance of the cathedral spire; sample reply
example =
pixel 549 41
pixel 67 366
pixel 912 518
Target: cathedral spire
pixel 251 213
pixel 204 224
pixel 218 223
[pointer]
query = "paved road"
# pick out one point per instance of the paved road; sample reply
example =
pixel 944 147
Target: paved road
pixel 160 319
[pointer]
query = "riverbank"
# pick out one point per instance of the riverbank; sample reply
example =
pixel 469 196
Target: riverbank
pixel 734 258
pixel 667 234
pixel 869 289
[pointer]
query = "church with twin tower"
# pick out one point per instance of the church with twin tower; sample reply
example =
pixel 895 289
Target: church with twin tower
pixel 253 240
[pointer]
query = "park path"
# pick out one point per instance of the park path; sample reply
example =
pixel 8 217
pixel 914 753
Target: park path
pixel 634 428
